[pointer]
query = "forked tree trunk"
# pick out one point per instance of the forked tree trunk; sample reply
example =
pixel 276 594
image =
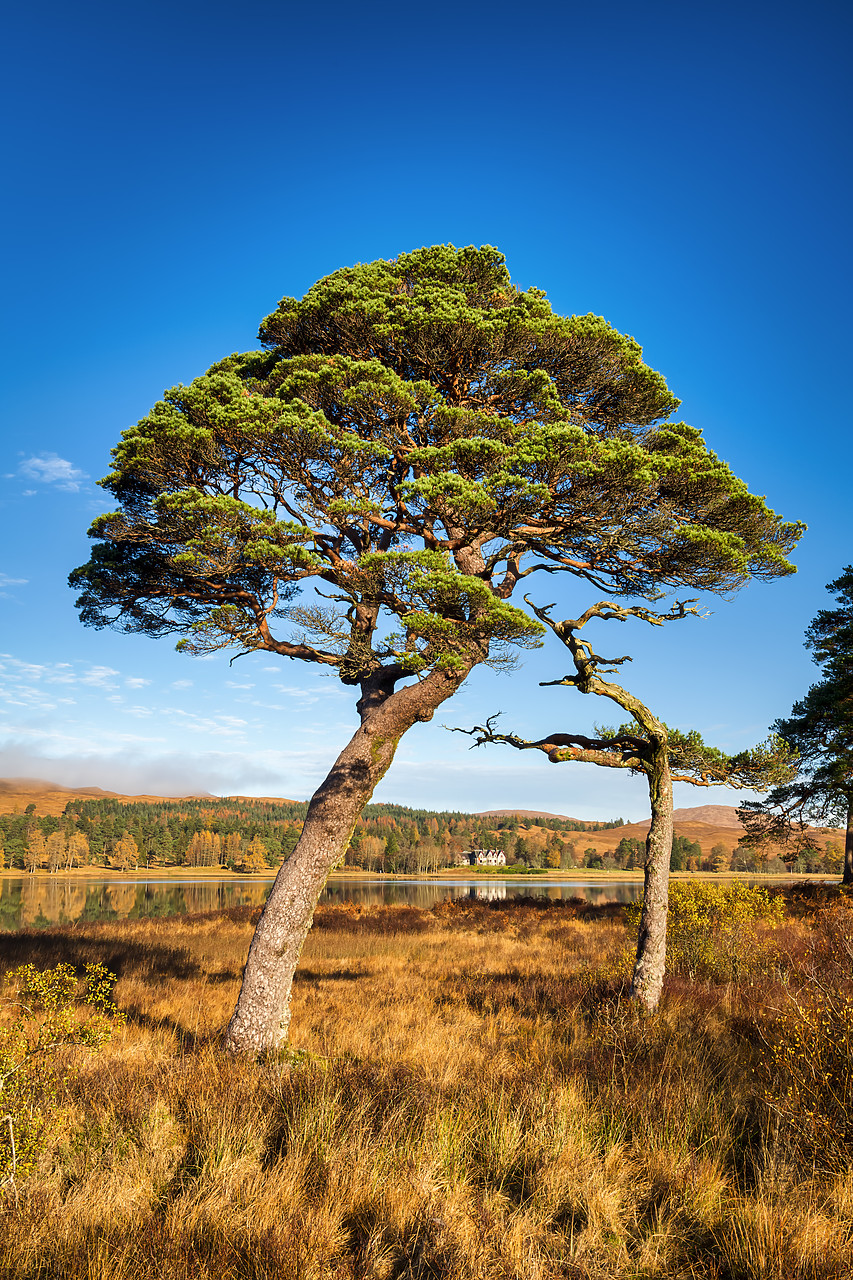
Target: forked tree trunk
pixel 650 964
pixel 262 1017
pixel 847 876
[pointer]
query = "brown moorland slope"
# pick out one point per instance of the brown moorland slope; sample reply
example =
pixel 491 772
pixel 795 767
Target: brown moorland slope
pixel 50 798
pixel 707 824
pixel 525 813
pixel 715 815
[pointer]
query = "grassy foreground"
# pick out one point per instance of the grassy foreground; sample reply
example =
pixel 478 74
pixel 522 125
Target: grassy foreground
pixel 468 1094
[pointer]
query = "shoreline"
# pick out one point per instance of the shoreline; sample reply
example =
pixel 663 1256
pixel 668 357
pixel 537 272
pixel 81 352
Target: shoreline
pixel 448 875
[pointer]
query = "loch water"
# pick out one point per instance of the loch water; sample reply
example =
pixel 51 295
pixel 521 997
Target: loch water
pixel 40 901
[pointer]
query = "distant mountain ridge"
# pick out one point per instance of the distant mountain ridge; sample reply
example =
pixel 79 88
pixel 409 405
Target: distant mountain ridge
pixel 526 813
pixel 713 815
pixel 39 784
pixel 53 796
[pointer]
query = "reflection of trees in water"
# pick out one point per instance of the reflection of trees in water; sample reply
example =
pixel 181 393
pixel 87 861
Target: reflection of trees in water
pixel 11 905
pixel 97 905
pixel 122 897
pixel 153 900
pixel 42 901
pixel 45 900
pixel 427 894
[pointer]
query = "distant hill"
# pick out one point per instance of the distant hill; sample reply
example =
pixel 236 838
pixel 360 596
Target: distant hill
pixel 713 815
pixel 50 798
pixel 30 785
pixel 708 825
pixel 525 813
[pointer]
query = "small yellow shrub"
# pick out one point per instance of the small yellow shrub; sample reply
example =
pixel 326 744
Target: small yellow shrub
pixel 44 1012
pixel 714 931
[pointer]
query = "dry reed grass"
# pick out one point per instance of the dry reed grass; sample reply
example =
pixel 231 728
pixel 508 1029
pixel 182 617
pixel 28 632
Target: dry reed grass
pixel 467 1094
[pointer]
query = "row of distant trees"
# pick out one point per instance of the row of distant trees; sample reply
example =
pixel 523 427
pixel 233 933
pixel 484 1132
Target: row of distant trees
pixel 255 836
pixel 258 835
pixel 126 836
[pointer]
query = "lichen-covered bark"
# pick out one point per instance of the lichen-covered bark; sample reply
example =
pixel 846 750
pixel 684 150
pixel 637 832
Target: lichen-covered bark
pixel 261 1019
pixel 650 963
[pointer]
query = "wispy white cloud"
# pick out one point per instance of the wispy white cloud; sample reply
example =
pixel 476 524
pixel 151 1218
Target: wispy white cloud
pixel 136 682
pixel 33 683
pixel 49 468
pixel 6 581
pixel 304 696
pixel 98 677
pixel 214 726
pixel 131 769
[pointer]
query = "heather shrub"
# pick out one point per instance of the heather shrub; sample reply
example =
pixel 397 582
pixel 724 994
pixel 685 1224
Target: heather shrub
pixel 809 1081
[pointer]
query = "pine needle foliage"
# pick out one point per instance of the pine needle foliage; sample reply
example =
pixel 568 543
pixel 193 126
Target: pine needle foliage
pixel 819 731
pixel 414 437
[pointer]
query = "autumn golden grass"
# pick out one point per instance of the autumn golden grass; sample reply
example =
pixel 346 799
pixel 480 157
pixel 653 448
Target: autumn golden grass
pixel 467 1093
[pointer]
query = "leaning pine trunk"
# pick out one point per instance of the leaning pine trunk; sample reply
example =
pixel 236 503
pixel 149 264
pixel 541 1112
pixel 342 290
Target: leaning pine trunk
pixel 847 877
pixel 650 964
pixel 262 1017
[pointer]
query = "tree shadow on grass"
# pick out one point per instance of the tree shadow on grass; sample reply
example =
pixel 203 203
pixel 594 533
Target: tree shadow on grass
pixel 46 948
pixel 190 1040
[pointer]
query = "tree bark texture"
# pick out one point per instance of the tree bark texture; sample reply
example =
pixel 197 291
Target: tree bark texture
pixel 650 964
pixel 847 877
pixel 262 1016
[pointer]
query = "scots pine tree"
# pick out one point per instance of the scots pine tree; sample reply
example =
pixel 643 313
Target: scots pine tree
pixel 365 493
pixel 820 731
pixel 646 746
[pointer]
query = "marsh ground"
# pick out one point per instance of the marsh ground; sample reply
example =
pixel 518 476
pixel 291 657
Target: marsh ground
pixel 467 1094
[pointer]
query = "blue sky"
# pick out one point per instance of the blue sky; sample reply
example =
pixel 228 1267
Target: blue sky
pixel 173 170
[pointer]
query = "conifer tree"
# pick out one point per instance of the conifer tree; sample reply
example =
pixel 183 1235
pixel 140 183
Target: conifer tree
pixel 366 493
pixel 191 858
pixel 646 746
pixel 820 731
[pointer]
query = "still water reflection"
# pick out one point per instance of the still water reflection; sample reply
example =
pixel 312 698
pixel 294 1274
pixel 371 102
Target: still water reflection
pixel 38 901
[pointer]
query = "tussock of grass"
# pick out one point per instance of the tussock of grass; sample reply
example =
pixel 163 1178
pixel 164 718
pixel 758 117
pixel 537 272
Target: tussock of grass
pixel 468 1093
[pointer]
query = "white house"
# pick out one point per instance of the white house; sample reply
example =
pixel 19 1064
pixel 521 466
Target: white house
pixel 482 858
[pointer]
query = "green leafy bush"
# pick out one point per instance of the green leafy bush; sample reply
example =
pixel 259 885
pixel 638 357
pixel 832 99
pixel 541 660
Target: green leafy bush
pixel 45 1012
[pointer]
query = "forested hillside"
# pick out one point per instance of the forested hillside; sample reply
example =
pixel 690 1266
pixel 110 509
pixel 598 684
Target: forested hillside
pixel 255 835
